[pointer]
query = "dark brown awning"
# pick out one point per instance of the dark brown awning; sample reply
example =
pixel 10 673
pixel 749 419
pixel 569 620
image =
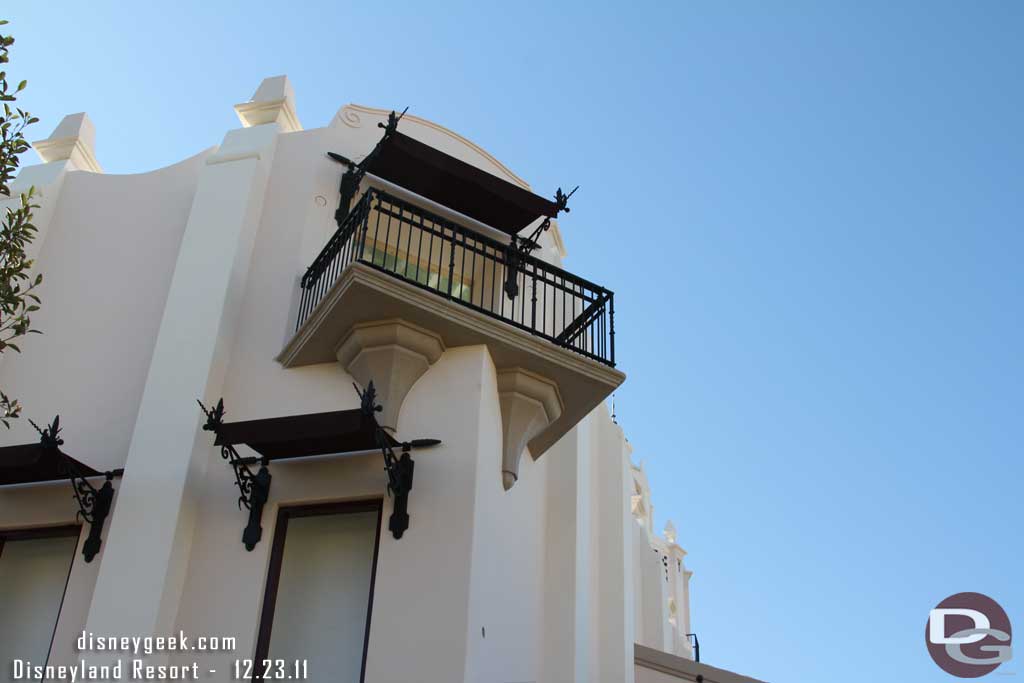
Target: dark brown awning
pixel 429 172
pixel 34 462
pixel 297 436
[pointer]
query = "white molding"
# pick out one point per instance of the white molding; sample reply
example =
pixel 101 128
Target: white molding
pixel 73 140
pixel 280 111
pixel 388 284
pixel 273 102
pixel 684 669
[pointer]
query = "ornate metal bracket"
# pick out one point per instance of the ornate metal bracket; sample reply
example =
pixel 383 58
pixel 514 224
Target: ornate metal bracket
pixel 520 247
pixel 351 178
pixel 93 504
pixel 399 468
pixel 254 489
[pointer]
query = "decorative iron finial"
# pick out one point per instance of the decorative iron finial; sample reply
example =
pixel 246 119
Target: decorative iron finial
pixel 562 199
pixel 399 468
pixel 368 399
pixel 50 436
pixel 253 489
pixel 214 418
pixel 392 124
pixel 93 504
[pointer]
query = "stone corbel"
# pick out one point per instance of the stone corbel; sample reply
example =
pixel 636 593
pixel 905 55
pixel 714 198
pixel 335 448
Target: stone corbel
pixel 529 403
pixel 393 354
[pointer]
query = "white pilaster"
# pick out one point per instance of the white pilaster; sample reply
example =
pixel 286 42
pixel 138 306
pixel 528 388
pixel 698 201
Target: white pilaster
pixel 568 613
pixel 615 574
pixel 421 627
pixel 148 543
pixel 70 147
pixel 678 579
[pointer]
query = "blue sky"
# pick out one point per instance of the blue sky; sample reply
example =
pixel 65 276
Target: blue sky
pixel 810 212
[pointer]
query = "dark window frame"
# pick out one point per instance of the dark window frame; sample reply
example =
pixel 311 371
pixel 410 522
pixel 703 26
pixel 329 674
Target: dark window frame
pixel 285 513
pixel 35 534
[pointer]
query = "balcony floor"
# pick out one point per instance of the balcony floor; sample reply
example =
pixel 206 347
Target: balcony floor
pixel 364 294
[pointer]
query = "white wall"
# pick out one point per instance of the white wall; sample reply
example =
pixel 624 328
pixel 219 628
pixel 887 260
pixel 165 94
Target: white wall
pixel 506 585
pixel 107 248
pixel 534 584
pixel 107 260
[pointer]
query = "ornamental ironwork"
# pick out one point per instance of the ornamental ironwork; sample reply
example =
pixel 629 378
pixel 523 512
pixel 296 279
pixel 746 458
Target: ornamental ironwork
pixel 93 503
pixel 399 468
pixel 520 247
pixel 254 489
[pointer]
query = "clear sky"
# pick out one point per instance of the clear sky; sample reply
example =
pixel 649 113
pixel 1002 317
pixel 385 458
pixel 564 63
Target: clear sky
pixel 811 215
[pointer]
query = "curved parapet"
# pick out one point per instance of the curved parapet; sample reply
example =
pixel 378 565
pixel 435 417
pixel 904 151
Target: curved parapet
pixel 437 136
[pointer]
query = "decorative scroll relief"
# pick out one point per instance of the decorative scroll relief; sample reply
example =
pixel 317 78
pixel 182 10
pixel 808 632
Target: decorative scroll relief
pixel 350 117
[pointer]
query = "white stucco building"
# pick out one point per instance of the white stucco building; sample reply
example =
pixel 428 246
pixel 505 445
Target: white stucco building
pixel 525 548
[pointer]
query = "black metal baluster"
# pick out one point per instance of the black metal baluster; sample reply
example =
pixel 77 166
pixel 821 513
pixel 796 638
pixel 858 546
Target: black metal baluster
pixel 462 264
pixel 451 264
pixel 533 301
pixel 565 295
pixel 430 258
pixel 419 252
pixel 611 325
pixel 494 270
pixel 387 236
pixel 408 246
pixel 366 228
pixel 472 271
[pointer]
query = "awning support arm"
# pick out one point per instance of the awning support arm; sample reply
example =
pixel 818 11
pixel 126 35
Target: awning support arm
pixel 254 489
pixel 519 248
pixel 398 468
pixel 351 178
pixel 93 504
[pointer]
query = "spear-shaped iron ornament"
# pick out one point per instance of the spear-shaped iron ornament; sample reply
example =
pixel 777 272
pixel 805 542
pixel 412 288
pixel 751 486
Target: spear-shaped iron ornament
pixel 93 504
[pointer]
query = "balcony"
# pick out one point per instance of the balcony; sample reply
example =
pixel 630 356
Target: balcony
pixel 415 246
pixel 396 270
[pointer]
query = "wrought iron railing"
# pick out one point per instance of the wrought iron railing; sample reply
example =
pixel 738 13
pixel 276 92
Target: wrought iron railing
pixel 468 268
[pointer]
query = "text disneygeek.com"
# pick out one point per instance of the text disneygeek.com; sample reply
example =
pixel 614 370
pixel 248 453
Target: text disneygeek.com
pixel 122 658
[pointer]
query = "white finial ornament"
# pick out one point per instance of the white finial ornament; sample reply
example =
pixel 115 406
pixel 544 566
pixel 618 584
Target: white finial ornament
pixel 73 140
pixel 273 102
